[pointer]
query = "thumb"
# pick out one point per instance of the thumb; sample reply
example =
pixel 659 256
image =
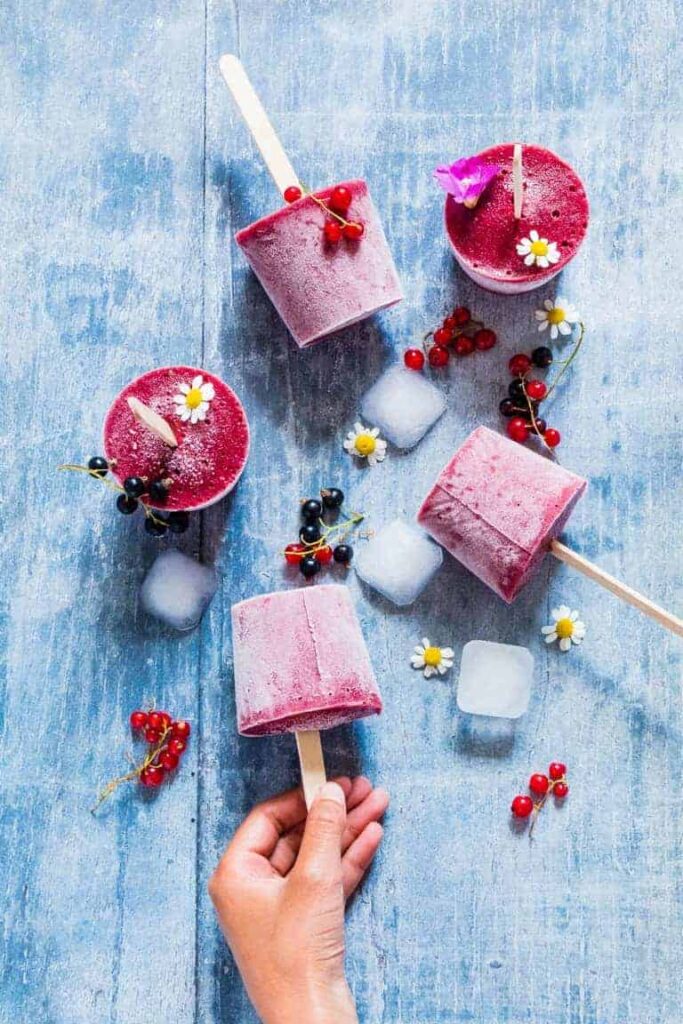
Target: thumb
pixel 320 854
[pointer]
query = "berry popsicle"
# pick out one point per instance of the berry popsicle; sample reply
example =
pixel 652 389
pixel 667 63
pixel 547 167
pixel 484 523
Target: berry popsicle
pixel 498 508
pixel 323 260
pixel 301 665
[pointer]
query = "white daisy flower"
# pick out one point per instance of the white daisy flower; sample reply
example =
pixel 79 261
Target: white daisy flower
pixel 432 659
pixel 566 627
pixel 193 401
pixel 559 316
pixel 538 250
pixel 365 443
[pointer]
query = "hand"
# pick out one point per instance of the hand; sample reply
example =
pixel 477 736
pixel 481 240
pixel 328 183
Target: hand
pixel 280 890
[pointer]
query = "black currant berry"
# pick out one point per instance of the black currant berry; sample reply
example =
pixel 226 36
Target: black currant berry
pixel 541 356
pixel 158 491
pixel 343 553
pixel 309 533
pixel 134 486
pixel 98 466
pixel 516 390
pixel 332 497
pixel 508 408
pixel 311 510
pixel 178 522
pixel 155 526
pixel 309 566
pixel 126 505
pixel 526 412
pixel 540 425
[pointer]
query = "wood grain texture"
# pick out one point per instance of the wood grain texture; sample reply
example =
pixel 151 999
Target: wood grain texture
pixel 125 171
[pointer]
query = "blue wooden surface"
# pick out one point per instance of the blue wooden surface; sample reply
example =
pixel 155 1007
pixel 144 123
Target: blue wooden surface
pixel 125 171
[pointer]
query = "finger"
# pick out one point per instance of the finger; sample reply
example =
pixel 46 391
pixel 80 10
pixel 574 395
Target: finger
pixel 320 854
pixel 287 847
pixel 371 809
pixel 359 856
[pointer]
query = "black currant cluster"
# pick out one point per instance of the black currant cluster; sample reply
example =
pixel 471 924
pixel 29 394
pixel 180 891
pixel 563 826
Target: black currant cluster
pixel 314 550
pixel 134 489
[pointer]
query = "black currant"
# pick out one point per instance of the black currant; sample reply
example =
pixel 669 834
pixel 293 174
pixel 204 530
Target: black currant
pixel 309 533
pixel 516 389
pixel 158 491
pixel 508 408
pixel 541 356
pixel 526 412
pixel 98 466
pixel 541 425
pixel 134 486
pixel 126 505
pixel 332 497
pixel 311 510
pixel 178 522
pixel 343 553
pixel 156 527
pixel 309 566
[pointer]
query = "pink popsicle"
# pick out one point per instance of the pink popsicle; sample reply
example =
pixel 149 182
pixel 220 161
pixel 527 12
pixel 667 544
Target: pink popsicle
pixel 496 507
pixel 317 287
pixel 300 662
pixel 484 239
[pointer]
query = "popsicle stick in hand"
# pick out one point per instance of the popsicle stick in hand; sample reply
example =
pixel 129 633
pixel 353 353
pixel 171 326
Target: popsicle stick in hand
pixel 618 588
pixel 312 763
pixel 251 109
pixel 517 182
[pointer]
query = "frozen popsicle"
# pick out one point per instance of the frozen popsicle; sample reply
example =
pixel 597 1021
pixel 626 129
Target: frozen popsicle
pixel 301 665
pixel 317 285
pixel 498 507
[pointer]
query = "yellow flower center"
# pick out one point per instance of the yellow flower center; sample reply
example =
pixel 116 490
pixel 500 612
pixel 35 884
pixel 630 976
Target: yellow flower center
pixel 365 444
pixel 556 315
pixel 432 656
pixel 193 398
pixel 539 248
pixel 564 628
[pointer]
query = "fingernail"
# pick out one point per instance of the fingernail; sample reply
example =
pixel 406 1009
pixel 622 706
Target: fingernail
pixel 331 791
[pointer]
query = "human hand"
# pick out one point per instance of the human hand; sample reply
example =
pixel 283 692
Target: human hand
pixel 280 890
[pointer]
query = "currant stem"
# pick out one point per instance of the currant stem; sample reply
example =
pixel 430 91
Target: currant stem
pixel 538 807
pixel 567 362
pixel 136 772
pixel 323 205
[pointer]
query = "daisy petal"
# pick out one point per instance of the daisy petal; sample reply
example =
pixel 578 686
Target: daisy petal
pixel 529 260
pixel 551 638
pixel 565 643
pixel 184 388
pixel 197 381
pixel 447 652
pixel 547 629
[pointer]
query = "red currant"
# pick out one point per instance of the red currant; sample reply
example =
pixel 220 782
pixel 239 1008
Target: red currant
pixel 438 355
pixel 353 230
pixel 169 761
pixel 333 231
pixel 177 747
pixel 138 720
pixel 462 315
pixel 557 770
pixel 292 193
pixel 450 323
pixel 442 336
pixel 294 553
pixel 152 735
pixel 414 358
pixel 536 390
pixel 522 806
pixel 552 437
pixel 519 365
pixel 485 339
pixel 517 429
pixel 538 784
pixel 560 790
pixel 152 776
pixel 166 720
pixel 181 729
pixel 463 346
pixel 155 719
pixel 324 555
pixel 340 200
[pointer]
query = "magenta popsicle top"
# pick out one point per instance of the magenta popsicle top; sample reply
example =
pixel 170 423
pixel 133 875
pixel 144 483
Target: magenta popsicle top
pixel 555 205
pixel 496 506
pixel 211 452
pixel 300 662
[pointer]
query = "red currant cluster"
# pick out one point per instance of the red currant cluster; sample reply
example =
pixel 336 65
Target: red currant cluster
pixel 525 395
pixel 167 739
pixel 542 786
pixel 451 338
pixel 314 549
pixel 336 207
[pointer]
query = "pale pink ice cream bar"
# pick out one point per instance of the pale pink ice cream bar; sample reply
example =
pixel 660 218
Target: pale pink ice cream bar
pixel 316 287
pixel 300 662
pixel 496 507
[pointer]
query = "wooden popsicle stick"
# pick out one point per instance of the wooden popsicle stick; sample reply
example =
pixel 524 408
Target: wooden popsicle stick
pixel 312 763
pixel 618 588
pixel 517 191
pixel 156 423
pixel 251 109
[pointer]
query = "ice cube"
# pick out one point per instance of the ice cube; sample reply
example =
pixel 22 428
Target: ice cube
pixel 403 404
pixel 177 590
pixel 495 679
pixel 399 561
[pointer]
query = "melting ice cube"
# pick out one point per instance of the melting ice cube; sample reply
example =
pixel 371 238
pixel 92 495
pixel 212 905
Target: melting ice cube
pixel 177 590
pixel 399 561
pixel 495 679
pixel 403 405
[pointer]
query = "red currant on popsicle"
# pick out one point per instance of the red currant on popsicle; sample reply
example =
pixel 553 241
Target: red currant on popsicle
pixel 333 231
pixel 340 200
pixel 353 230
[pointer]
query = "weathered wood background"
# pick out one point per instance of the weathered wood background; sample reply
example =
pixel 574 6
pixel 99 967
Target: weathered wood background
pixel 124 172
